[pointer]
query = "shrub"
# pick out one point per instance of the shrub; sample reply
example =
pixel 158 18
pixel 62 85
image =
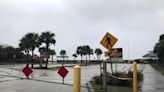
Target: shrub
pixel 119 82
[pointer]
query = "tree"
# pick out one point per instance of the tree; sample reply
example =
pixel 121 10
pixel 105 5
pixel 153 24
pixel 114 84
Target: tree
pixel 63 54
pixel 28 43
pixel 75 56
pixel 98 52
pixel 159 49
pixel 88 51
pixel 80 51
pixel 84 51
pixel 52 54
pixel 9 52
pixel 47 38
pixel 25 46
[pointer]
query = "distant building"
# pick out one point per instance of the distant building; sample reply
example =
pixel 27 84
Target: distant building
pixel 150 56
pixel 61 58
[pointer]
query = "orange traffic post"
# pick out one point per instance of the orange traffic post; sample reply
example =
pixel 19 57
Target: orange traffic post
pixel 76 78
pixel 134 77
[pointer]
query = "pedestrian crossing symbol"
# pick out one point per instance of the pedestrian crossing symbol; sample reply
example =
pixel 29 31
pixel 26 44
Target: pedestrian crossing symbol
pixel 108 41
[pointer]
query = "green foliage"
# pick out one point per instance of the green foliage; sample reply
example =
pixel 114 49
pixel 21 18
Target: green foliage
pixel 80 51
pixel 63 52
pixel 158 68
pixel 98 52
pixel 29 42
pixel 159 49
pixel 119 82
pixel 9 52
pixel 75 56
pixel 47 38
pixel 84 50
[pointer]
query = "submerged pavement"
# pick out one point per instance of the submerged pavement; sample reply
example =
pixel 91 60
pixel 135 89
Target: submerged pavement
pixel 153 80
pixel 10 84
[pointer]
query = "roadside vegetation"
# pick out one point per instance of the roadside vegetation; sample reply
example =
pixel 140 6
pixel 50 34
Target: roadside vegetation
pixel 119 81
pixel 159 68
pixel 159 49
pixel 112 88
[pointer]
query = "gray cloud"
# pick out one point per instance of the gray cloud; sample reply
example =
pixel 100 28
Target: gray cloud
pixel 78 22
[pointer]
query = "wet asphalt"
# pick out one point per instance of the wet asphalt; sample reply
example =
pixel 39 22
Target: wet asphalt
pixel 153 81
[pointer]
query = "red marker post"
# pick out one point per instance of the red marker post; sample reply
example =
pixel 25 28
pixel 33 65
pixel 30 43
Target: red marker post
pixel 63 72
pixel 27 71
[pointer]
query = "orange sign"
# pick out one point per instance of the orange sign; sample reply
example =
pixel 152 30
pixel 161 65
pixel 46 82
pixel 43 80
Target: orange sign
pixel 116 52
pixel 108 41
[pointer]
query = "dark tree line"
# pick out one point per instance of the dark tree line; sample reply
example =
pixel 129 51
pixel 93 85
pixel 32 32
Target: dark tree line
pixel 30 41
pixel 87 51
pixel 9 52
pixel 159 49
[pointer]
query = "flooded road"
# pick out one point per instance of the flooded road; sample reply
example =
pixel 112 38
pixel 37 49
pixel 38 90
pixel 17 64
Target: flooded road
pixel 153 80
pixel 11 84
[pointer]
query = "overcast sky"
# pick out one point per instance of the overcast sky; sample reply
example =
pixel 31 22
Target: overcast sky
pixel 136 23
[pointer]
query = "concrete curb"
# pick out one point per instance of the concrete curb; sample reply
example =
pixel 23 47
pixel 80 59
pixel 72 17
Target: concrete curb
pixel 90 88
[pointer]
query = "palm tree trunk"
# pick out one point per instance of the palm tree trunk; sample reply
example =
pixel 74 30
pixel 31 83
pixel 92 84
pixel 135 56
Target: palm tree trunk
pixel 32 59
pixel 28 57
pixel 89 58
pixel 41 63
pixel 86 60
pixel 63 59
pixel 46 63
pixel 47 45
pixel 81 59
pixel 52 59
pixel 97 57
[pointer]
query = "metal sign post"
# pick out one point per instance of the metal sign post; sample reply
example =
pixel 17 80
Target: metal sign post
pixel 108 41
pixel 104 77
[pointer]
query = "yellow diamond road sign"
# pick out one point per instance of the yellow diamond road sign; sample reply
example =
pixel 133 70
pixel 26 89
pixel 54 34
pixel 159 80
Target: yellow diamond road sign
pixel 108 41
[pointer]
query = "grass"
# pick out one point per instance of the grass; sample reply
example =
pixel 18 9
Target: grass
pixel 111 88
pixel 158 68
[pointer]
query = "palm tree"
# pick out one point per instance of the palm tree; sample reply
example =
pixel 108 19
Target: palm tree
pixel 28 43
pixel 88 51
pixel 75 56
pixel 47 38
pixel 80 51
pixel 53 53
pixel 98 52
pixel 63 53
pixel 25 46
pixel 34 43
